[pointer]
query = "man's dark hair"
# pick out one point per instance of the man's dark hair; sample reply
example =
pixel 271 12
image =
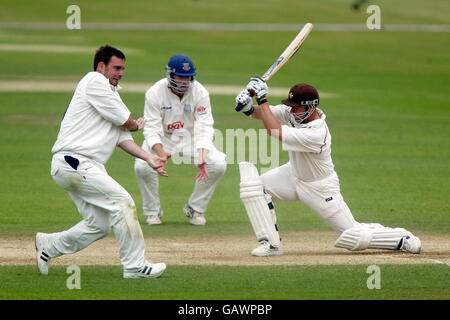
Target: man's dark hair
pixel 105 53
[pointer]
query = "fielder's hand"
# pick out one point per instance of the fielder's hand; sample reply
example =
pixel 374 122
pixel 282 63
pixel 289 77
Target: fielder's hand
pixel 140 123
pixel 259 88
pixel 157 163
pixel 244 102
pixel 202 172
pixel 164 158
pixel 162 172
pixel 201 167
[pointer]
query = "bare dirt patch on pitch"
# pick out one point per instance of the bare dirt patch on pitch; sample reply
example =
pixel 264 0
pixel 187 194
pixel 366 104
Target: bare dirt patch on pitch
pixel 300 248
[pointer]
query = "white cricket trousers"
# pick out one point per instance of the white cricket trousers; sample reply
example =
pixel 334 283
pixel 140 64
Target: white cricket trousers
pixel 103 204
pixel 148 180
pixel 323 196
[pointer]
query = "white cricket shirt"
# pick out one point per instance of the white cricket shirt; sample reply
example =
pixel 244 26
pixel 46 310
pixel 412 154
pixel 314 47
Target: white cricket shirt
pixel 179 125
pixel 91 124
pixel 309 146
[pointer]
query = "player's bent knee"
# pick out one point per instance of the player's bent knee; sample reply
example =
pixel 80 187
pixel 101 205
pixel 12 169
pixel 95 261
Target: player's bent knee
pixel 251 188
pixel 97 228
pixel 104 230
pixel 123 208
pixel 221 168
pixel 217 170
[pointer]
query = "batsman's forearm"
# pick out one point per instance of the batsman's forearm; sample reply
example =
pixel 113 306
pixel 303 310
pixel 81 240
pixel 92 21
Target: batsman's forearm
pixel 271 123
pixel 256 113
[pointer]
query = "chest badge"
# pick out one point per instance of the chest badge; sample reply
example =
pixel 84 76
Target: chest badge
pixel 187 108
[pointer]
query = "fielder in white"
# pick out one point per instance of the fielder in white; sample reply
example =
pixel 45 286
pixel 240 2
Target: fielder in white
pixel 95 122
pixel 179 123
pixel 309 176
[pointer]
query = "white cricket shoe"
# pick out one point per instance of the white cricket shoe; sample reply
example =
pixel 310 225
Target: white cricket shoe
pixel 42 258
pixel 150 270
pixel 198 219
pixel 411 244
pixel 195 218
pixel 153 220
pixel 265 249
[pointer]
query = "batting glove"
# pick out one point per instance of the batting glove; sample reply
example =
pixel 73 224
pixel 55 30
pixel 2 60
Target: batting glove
pixel 244 102
pixel 259 88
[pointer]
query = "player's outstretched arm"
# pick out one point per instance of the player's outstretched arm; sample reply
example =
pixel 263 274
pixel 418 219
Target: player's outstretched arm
pixel 271 123
pixel 154 162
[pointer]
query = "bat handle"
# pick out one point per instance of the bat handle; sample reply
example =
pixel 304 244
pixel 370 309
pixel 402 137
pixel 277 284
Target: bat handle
pixel 239 107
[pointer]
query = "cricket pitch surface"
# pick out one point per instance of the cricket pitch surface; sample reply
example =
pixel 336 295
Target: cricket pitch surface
pixel 299 248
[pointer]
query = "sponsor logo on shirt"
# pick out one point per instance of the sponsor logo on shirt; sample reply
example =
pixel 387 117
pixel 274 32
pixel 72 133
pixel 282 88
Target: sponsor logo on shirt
pixel 201 109
pixel 175 126
pixel 166 108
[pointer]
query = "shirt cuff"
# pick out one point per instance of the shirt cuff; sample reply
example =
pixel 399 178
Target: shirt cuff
pixel 203 144
pixel 124 135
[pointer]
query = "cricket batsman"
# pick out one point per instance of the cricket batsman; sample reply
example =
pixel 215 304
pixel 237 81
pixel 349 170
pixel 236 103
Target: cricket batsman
pixel 180 123
pixel 308 177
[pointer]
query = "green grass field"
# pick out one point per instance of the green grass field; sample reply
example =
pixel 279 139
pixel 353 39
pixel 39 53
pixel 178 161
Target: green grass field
pixel 389 117
pixel 230 283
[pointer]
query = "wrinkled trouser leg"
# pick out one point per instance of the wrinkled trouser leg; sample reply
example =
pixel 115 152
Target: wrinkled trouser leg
pixel 103 204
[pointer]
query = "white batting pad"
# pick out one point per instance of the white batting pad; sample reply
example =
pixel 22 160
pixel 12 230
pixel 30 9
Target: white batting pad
pixel 354 239
pixel 273 215
pixel 387 238
pixel 372 236
pixel 252 195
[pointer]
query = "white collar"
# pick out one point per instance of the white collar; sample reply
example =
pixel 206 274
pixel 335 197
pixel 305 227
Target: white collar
pixel 115 88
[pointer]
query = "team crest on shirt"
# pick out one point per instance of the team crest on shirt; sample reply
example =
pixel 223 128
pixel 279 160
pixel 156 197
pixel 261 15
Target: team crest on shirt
pixel 187 108
pixel 186 66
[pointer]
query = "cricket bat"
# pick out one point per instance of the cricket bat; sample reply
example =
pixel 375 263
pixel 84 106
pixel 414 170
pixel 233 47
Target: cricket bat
pixel 288 52
pixel 291 49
